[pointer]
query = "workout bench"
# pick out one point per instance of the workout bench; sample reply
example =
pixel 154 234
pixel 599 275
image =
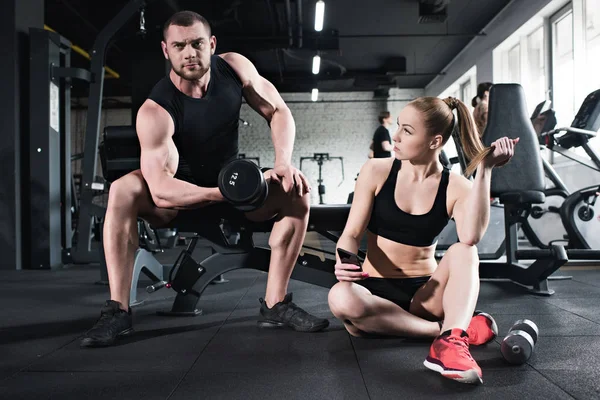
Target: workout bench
pixel 119 154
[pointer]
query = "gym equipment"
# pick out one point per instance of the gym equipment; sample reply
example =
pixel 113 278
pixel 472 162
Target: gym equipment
pixel 580 229
pixel 49 225
pixel 518 345
pixel 231 241
pixel 82 252
pixel 578 211
pixel 243 184
pixel 320 158
pixel 519 185
pixel 243 155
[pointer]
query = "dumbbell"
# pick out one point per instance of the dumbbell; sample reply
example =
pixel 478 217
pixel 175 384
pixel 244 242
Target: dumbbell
pixel 518 345
pixel 243 184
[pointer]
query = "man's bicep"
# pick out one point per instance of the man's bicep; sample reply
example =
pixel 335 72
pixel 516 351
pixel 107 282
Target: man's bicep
pixel 263 97
pixel 154 129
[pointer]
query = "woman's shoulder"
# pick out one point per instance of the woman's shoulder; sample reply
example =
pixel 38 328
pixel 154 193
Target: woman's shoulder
pixel 376 166
pixel 458 185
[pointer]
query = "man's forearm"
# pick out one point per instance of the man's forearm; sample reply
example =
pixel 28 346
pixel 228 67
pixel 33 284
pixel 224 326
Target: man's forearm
pixel 178 194
pixel 283 133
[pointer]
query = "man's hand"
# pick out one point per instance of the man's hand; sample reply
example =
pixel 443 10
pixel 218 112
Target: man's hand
pixel 289 177
pixel 503 150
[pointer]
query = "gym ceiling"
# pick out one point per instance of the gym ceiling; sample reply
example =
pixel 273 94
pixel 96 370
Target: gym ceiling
pixel 365 45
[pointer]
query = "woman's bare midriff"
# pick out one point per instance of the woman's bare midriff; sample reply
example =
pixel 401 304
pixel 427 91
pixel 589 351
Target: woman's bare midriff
pixel 389 259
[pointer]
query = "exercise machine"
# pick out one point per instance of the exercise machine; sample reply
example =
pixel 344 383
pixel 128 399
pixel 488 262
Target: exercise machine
pixel 48 151
pixel 89 213
pixel 320 159
pixel 518 186
pixel 572 216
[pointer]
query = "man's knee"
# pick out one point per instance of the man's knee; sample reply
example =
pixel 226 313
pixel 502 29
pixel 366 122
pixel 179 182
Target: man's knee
pixel 128 189
pixel 344 303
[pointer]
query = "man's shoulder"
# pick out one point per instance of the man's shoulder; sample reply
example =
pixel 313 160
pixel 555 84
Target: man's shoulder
pixel 162 90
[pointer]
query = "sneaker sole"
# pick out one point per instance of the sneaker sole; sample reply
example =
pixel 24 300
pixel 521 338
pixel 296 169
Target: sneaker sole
pixel 494 325
pixel 88 342
pixel 267 324
pixel 470 376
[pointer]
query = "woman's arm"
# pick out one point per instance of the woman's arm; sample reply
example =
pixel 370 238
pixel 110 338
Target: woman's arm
pixel 362 204
pixel 472 209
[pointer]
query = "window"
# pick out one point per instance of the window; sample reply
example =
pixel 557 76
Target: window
pixel 592 42
pixel 563 68
pixel 592 47
pixel 521 59
pixel 514 64
pixel 464 88
pixel 467 92
pixel 535 69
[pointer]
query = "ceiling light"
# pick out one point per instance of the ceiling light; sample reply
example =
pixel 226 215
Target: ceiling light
pixel 314 95
pixel 319 15
pixel 316 64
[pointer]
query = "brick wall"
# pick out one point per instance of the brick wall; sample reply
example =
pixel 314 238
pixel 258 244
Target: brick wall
pixel 341 124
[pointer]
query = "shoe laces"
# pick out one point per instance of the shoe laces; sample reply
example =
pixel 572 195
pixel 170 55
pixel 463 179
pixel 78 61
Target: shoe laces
pixel 462 346
pixel 293 309
pixel 105 318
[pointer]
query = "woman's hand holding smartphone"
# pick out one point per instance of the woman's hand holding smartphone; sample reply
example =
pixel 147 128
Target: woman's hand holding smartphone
pixel 349 268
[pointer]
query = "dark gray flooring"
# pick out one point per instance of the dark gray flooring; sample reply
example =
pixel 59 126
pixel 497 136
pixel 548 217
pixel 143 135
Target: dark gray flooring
pixel 223 355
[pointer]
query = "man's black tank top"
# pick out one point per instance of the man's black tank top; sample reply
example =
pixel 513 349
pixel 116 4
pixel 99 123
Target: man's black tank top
pixel 389 221
pixel 206 129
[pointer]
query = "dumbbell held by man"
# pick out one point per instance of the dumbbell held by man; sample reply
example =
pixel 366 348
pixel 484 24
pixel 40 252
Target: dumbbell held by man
pixel 243 184
pixel 518 345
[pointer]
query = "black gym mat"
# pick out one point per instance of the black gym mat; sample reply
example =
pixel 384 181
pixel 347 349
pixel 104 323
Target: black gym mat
pixel 223 355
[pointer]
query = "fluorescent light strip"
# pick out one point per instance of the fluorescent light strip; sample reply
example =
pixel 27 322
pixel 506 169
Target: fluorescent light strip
pixel 319 15
pixel 316 65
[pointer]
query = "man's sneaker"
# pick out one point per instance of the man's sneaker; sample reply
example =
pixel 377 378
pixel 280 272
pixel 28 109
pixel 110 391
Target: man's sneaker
pixel 113 322
pixel 287 314
pixel 449 355
pixel 482 329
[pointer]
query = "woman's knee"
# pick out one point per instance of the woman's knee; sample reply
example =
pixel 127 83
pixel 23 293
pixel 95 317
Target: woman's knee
pixel 463 252
pixel 344 303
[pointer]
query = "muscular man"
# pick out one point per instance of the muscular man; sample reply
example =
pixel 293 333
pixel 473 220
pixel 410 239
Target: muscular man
pixel 188 130
pixel 381 145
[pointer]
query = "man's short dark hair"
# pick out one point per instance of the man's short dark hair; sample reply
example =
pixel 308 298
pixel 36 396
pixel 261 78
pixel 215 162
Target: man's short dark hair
pixel 383 115
pixel 185 18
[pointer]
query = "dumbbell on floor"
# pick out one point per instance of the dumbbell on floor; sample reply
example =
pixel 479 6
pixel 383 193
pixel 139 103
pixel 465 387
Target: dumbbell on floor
pixel 518 345
pixel 243 184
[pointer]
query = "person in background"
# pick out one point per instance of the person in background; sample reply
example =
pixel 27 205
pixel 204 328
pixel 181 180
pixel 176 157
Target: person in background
pixel 381 145
pixel 480 103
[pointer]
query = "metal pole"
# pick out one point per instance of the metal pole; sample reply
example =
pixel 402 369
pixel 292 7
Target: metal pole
pixel 82 252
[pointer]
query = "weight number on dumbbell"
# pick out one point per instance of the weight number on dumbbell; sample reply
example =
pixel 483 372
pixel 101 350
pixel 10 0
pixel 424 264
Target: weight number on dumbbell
pixel 233 178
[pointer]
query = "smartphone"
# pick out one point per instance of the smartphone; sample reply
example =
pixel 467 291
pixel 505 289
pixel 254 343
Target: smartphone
pixel 349 258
